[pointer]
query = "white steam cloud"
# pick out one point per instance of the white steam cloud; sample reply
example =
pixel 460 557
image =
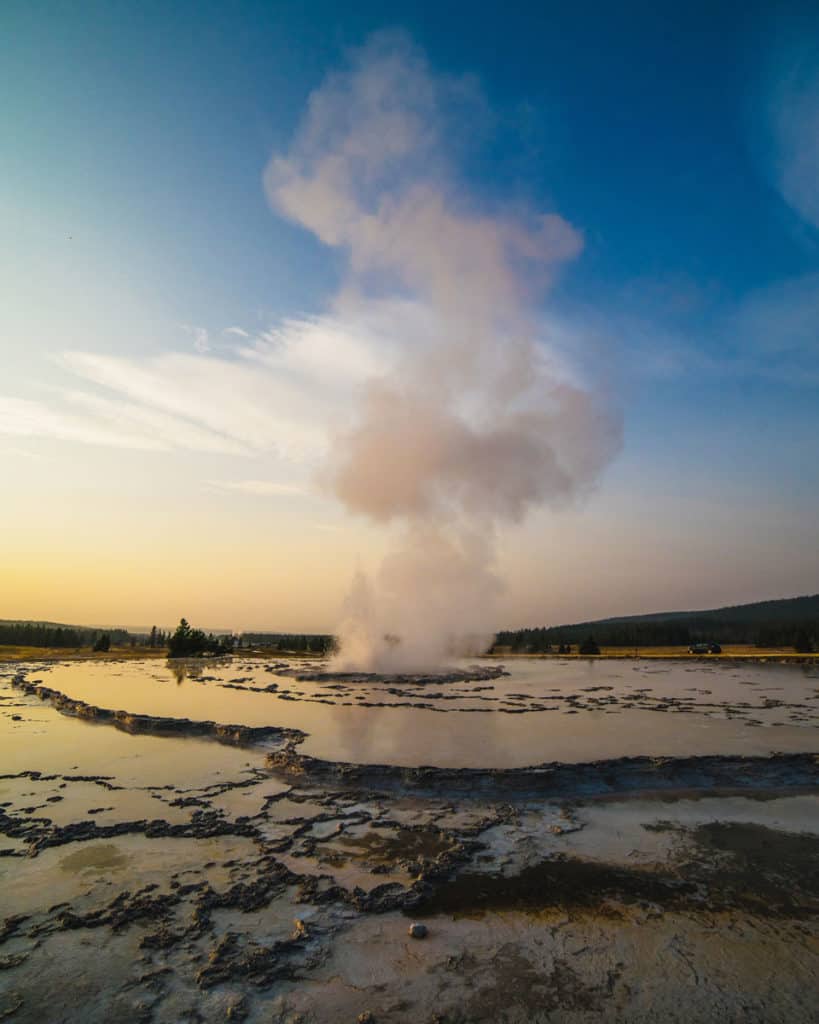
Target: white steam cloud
pixel 475 420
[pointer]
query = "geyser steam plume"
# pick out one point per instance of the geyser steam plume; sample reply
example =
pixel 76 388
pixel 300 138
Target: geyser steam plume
pixel 474 420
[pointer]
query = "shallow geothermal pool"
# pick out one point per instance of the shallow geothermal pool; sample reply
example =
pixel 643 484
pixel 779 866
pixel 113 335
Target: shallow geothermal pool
pixel 164 876
pixel 542 710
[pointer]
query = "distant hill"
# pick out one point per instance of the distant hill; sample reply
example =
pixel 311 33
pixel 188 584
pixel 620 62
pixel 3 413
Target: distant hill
pixel 764 623
pixel 786 609
pixel 41 622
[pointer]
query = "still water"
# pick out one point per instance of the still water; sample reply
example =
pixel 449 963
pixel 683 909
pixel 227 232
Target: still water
pixel 544 710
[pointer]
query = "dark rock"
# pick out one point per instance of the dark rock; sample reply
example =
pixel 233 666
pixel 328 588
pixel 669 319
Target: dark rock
pixel 238 1010
pixel 300 930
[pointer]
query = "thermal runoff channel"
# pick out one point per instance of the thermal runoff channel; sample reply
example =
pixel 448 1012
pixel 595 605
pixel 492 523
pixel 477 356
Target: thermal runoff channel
pixel 476 414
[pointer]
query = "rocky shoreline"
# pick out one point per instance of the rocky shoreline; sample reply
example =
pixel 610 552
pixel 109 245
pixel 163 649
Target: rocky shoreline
pixel 238 735
pixel 561 780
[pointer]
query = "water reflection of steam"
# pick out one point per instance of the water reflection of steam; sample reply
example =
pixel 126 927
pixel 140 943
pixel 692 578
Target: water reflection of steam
pixel 414 736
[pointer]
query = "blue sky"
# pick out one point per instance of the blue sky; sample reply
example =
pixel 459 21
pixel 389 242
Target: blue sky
pixel 682 145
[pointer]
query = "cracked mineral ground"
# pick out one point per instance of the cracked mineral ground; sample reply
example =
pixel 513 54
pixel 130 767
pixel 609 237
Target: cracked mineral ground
pixel 251 839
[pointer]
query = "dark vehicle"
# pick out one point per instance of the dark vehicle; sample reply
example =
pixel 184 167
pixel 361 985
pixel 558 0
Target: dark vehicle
pixel 705 649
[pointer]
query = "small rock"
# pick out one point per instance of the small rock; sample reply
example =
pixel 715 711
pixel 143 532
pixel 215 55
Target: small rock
pixel 418 931
pixel 237 1010
pixel 366 1018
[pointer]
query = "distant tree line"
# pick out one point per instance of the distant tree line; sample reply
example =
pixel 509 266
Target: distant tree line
pixel 188 642
pixel 185 641
pixel 303 643
pixel 793 622
pixel 40 634
pixel 540 640
pixel 802 635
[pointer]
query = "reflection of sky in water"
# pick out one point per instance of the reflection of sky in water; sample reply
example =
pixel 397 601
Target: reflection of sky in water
pixel 486 736
pixel 48 741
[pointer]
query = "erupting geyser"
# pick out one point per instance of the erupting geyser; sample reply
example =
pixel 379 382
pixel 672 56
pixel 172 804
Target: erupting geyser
pixel 475 419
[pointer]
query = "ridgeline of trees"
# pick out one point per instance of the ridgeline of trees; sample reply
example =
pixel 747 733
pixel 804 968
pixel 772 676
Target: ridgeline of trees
pixel 793 622
pixel 52 634
pixel 184 642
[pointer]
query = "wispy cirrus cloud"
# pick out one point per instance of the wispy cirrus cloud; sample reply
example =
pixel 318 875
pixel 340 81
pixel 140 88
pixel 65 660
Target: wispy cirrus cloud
pixel 228 397
pixel 20 417
pixel 285 391
pixel 795 121
pixel 275 392
pixel 774 331
pixel 770 333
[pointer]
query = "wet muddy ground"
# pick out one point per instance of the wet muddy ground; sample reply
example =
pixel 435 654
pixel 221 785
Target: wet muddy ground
pixel 157 869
